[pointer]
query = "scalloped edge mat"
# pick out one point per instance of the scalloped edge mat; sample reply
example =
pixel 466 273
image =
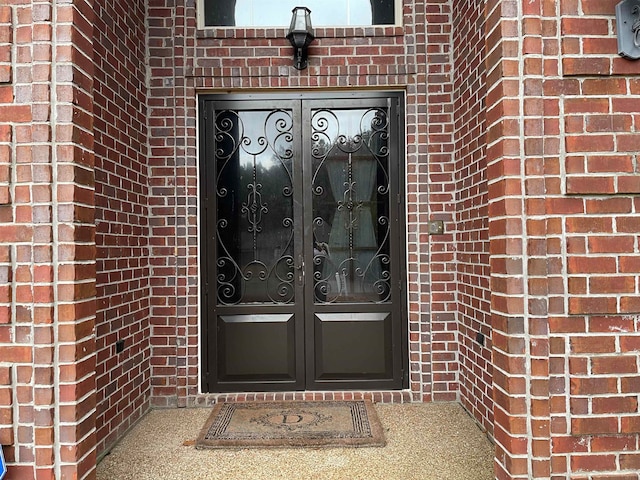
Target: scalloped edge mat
pixel 292 424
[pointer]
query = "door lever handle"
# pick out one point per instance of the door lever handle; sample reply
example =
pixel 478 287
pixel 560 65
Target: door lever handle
pixel 300 268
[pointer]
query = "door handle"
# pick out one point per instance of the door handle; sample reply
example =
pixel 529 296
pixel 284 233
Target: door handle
pixel 300 268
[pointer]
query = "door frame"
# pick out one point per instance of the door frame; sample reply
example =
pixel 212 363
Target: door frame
pixel 206 322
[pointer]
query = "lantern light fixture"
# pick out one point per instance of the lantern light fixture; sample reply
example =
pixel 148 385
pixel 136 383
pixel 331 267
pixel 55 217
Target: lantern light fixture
pixel 628 28
pixel 300 35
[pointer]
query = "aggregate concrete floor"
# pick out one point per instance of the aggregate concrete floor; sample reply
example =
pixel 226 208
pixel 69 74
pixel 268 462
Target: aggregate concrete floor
pixel 435 441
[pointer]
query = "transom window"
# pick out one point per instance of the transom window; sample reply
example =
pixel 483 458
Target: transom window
pixel 277 13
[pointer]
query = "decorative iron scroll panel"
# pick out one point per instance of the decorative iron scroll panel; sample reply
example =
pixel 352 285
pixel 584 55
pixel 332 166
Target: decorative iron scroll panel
pixel 254 188
pixel 350 185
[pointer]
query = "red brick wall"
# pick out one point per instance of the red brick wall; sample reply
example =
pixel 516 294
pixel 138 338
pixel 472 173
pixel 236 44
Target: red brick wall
pixel 173 193
pixel 436 201
pixel 122 229
pixel 594 319
pixel 561 196
pixel 184 61
pixel 47 276
pixel 7 231
pixel 563 112
pixel 472 240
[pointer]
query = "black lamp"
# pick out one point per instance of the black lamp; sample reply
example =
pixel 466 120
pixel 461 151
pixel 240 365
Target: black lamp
pixel 300 35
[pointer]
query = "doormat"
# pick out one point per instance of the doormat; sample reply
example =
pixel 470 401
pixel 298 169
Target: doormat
pixel 292 424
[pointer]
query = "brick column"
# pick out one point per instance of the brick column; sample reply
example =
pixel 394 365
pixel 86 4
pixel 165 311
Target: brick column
pixel 7 231
pixel 517 228
pixel 74 251
pixel 47 253
pixel 563 173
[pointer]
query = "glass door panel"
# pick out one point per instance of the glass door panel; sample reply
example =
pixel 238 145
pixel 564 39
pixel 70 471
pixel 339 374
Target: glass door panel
pixel 350 187
pixel 254 190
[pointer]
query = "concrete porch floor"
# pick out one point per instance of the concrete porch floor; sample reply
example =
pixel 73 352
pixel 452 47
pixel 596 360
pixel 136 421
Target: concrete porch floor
pixel 436 441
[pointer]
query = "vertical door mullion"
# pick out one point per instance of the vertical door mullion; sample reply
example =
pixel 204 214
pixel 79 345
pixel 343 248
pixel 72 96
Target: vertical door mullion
pixel 307 238
pixel 299 227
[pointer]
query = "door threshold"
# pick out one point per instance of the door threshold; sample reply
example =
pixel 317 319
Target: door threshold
pixel 376 396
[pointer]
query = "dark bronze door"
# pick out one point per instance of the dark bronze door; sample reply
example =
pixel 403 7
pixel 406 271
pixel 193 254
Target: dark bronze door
pixel 303 243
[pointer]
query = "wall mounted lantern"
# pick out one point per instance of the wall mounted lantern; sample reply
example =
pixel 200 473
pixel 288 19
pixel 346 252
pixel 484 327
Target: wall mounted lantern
pixel 628 26
pixel 300 35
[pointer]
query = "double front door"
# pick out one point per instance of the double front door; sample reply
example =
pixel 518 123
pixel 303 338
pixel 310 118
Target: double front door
pixel 302 243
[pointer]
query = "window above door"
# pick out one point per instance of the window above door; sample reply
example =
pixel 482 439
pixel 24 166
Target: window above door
pixel 325 13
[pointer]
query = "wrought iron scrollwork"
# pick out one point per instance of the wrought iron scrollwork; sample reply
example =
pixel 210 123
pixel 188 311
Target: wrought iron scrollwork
pixel 254 186
pixel 350 186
